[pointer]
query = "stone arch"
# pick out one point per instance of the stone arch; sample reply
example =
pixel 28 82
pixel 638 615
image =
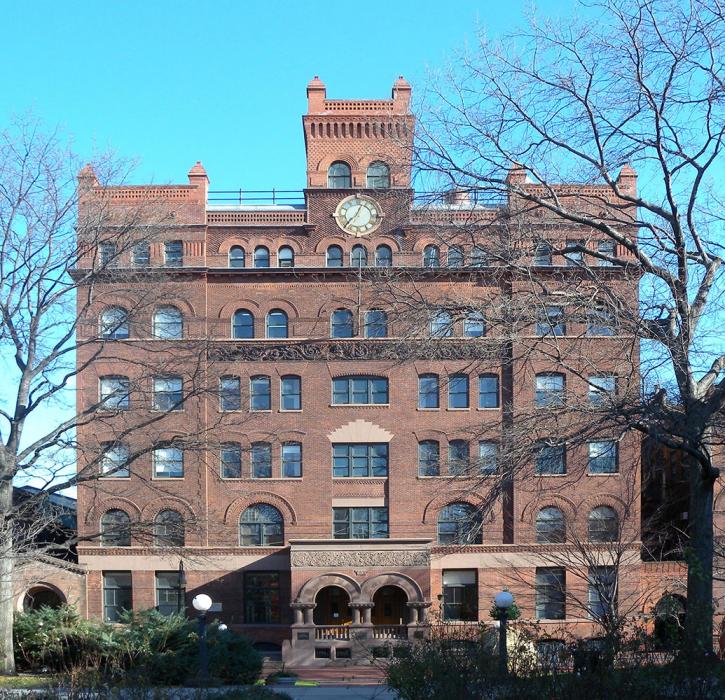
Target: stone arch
pixel 430 512
pixel 311 588
pixel 277 303
pixel 325 243
pixel 151 510
pixel 40 587
pixel 291 243
pixel 187 310
pixel 566 505
pixel 408 585
pixel 422 242
pixel 227 243
pixel 226 312
pixel 324 163
pixel 239 505
pixel 386 240
pixel 95 512
pixel 602 499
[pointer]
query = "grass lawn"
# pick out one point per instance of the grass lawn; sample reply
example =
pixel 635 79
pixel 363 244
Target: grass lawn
pixel 25 681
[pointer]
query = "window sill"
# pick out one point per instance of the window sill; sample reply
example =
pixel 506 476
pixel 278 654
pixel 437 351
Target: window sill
pixel 602 473
pixel 548 476
pixel 167 478
pixel 259 410
pixel 113 476
pixel 360 478
pixel 359 405
pixel 467 408
pixel 289 410
pixel 428 409
pixel 489 408
pixel 260 478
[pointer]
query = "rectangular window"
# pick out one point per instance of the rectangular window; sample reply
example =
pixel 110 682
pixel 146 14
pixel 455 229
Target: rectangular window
pixel 108 254
pixel 141 255
pixel 551 322
pixel 428 394
pixel 114 462
pixel 602 593
pixel 488 457
pixel 260 394
pixel 114 393
pixel 602 388
pixel 550 593
pixel 262 598
pixel 603 457
pixel 291 389
pixel 458 391
pixel 360 523
pixel 292 460
pixel 550 459
pixel 428 458
pixel 174 253
pixel 542 254
pixel 117 594
pixel 359 460
pixel 168 394
pixel 549 390
pixel 170 593
pixel 574 258
pixel 168 463
pixel 488 391
pixel 231 461
pixel 600 322
pixel 359 390
pixel 474 326
pixel 460 595
pixel 230 394
pixel 261 460
pixel 606 248
pixel 458 457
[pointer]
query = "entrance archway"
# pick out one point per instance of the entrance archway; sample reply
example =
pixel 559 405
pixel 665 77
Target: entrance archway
pixel 332 607
pixel 390 606
pixel 669 614
pixel 42 597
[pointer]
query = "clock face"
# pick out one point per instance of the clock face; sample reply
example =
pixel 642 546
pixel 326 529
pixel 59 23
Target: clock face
pixel 358 215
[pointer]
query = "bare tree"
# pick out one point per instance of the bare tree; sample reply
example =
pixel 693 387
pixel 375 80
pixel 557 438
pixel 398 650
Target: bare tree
pixel 629 84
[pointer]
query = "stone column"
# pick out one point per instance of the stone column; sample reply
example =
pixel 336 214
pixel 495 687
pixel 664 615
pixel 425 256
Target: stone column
pixel 308 608
pixel 367 609
pixel 413 613
pixel 303 612
pixel 423 613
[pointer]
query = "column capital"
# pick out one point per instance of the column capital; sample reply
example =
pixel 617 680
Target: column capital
pixel 296 605
pixel 361 606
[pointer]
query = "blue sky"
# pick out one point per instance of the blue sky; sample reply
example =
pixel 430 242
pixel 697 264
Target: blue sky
pixel 169 83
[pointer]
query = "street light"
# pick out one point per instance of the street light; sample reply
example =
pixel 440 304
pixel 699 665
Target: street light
pixel 503 601
pixel 181 587
pixel 202 603
pixel 222 628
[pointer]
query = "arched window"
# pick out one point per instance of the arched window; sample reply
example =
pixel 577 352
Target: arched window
pixel 376 324
pixel 261 256
pixel 441 325
pixel 236 256
pixel 116 528
pixel 603 524
pixel 339 175
pixel 378 175
pixel 169 529
pixel 243 324
pixel 359 256
pixel 114 323
pixel 285 257
pixel 459 523
pixel 261 525
pixel 431 256
pixel 341 324
pixel 168 323
pixel 550 526
pixel 334 256
pixel 383 256
pixel 429 458
pixel 277 324
pixel 455 256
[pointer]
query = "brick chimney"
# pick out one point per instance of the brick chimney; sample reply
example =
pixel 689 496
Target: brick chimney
pixel 401 95
pixel 316 93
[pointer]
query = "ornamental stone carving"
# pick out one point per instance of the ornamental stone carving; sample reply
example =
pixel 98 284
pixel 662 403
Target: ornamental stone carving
pixel 365 559
pixel 352 350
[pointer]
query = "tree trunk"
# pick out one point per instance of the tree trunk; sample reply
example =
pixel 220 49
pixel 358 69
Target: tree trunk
pixel 698 620
pixel 7 656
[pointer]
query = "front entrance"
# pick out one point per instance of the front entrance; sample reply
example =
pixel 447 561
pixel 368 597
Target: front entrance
pixel 332 607
pixel 390 606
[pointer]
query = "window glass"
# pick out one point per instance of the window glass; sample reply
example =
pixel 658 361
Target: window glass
pixel 600 322
pixel 550 593
pixel 291 460
pixel 428 392
pixel 441 325
pixel 574 258
pixel 488 457
pixel 141 255
pixel 291 388
pixel 243 324
pixel 602 592
pixel 168 394
pixel 360 523
pixel 359 390
pixel 261 525
pixel 339 175
pixel 474 325
pixel 383 256
pixel 231 461
pixel 429 458
pixel 378 175
pixel 359 460
pixel 236 256
pixel 108 255
pixel 606 248
pixel 117 594
pixel 174 253
pixel 488 391
pixel 261 460
pixel 262 604
pixel 458 457
pixel 479 257
pixel 551 322
pixel 458 391
pixel 114 323
pixel 114 462
pixel 602 388
pixel 550 526
pixel 431 256
pixel 455 256
pixel 603 525
pixel 334 256
pixel 285 257
pixel 170 593
pixel 230 397
pixel 459 523
pixel 277 324
pixel 542 254
pixel 550 389
pixel 358 256
pixel 168 323
pixel 603 457
pixel 168 463
pixel 115 528
pixel 460 595
pixel 550 459
pixel 169 530
pixel 376 324
pixel 260 393
pixel 115 393
pixel 261 256
pixel 341 325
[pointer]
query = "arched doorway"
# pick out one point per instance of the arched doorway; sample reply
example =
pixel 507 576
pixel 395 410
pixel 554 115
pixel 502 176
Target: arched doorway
pixel 669 614
pixel 42 597
pixel 332 607
pixel 390 606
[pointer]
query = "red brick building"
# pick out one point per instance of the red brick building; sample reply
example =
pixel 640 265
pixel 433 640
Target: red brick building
pixel 333 498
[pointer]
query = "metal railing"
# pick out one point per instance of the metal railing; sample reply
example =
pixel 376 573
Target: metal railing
pixel 261 197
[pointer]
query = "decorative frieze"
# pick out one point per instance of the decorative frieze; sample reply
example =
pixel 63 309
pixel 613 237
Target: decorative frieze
pixel 360 559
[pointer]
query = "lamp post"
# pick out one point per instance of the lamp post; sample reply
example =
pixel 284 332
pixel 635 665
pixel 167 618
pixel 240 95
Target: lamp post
pixel 181 586
pixel 202 603
pixel 503 601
